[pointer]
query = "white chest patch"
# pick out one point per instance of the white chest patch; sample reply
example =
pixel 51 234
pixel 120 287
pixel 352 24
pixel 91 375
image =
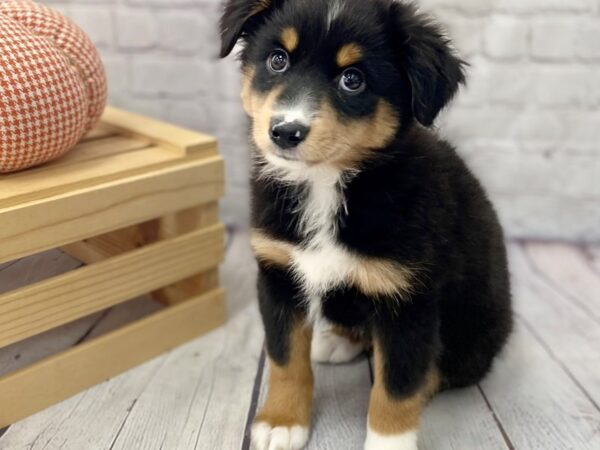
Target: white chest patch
pixel 323 264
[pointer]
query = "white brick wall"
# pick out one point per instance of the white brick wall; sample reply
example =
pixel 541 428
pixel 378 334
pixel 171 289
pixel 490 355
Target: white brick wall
pixel 529 122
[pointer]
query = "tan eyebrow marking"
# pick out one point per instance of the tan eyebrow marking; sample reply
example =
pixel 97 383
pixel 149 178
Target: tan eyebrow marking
pixel 290 39
pixel 349 54
pixel 260 7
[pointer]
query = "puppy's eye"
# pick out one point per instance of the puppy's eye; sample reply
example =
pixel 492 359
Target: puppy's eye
pixel 278 61
pixel 352 81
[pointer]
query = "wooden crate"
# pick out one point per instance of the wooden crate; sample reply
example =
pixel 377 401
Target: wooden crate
pixel 136 201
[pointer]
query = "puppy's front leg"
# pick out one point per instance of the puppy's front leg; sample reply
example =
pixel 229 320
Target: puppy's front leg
pixel 405 378
pixel 283 422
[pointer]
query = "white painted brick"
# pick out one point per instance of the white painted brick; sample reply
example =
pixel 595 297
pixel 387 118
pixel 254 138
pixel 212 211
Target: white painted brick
pixel 96 21
pixel 533 94
pixel 541 125
pixel 511 84
pixel 554 39
pixel 505 37
pixel 471 7
pixel 193 114
pixel 588 42
pixel 532 6
pixel 466 33
pixel 136 29
pixel 155 75
pixel 563 86
pixel 183 32
pixel 462 124
pixel 549 217
pixel 538 174
pixel 117 73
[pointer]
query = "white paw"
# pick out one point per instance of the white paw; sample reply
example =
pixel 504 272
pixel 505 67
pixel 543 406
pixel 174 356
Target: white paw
pixel 404 441
pixel 265 437
pixel 329 347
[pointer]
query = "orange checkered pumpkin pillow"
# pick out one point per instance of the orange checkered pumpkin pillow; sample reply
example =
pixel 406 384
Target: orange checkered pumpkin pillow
pixel 52 84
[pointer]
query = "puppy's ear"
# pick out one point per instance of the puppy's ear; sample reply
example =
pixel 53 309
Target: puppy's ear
pixel 433 69
pixel 237 19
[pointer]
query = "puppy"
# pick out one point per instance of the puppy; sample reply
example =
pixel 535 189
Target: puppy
pixel 368 229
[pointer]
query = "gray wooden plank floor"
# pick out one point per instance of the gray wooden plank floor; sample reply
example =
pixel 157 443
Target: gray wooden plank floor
pixel 544 391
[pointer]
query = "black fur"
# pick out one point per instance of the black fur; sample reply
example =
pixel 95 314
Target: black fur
pixel 415 202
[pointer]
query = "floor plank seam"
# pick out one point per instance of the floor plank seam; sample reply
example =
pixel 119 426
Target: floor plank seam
pixel 254 400
pixel 557 288
pixel 134 403
pixel 91 329
pixel 558 361
pixel 503 432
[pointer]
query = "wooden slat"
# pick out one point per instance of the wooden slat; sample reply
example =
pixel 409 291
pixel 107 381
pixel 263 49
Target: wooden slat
pixel 98 132
pixel 185 142
pixel 98 248
pixel 45 305
pixel 94 149
pixel 55 180
pixel 198 393
pixel 43 384
pixel 33 227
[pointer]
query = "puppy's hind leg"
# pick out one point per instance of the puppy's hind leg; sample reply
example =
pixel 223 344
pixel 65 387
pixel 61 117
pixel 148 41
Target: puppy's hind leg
pixel 331 345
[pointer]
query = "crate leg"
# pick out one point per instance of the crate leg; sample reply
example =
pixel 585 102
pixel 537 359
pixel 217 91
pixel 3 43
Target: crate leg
pixel 174 225
pixel 114 243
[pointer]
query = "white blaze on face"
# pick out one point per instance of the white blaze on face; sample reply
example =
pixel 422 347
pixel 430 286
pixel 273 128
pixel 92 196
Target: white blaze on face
pixel 299 109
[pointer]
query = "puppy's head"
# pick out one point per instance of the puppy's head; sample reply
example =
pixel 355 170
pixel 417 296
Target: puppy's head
pixel 334 81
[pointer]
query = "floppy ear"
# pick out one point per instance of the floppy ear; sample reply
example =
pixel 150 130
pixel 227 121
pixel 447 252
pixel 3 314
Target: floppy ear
pixel 237 19
pixel 433 69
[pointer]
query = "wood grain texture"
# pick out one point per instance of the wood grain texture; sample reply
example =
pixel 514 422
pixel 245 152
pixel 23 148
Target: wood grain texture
pixel 185 142
pixel 568 270
pixel 537 403
pixel 39 307
pixel 207 385
pixel 458 420
pixel 103 407
pixel 543 390
pixel 42 384
pixel 30 228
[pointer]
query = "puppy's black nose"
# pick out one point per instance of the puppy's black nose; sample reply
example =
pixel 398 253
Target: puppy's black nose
pixel 288 134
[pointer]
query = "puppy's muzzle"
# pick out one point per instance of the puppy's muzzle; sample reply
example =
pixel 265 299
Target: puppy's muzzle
pixel 288 135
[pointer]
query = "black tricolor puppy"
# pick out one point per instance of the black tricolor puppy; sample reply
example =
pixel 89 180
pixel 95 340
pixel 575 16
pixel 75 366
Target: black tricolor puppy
pixel 368 229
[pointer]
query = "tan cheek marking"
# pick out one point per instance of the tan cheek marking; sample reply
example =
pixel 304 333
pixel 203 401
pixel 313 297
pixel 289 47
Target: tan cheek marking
pixel 271 251
pixel 290 39
pixel 348 55
pixel 289 401
pixel 246 94
pixel 390 416
pixel 263 111
pixel 347 144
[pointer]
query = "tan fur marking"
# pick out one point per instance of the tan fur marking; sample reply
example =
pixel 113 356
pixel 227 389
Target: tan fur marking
pixel 261 6
pixel 246 93
pixel 262 111
pixel 375 276
pixel 347 143
pixel 290 397
pixel 289 39
pixel 348 55
pixel 390 416
pixel 270 251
